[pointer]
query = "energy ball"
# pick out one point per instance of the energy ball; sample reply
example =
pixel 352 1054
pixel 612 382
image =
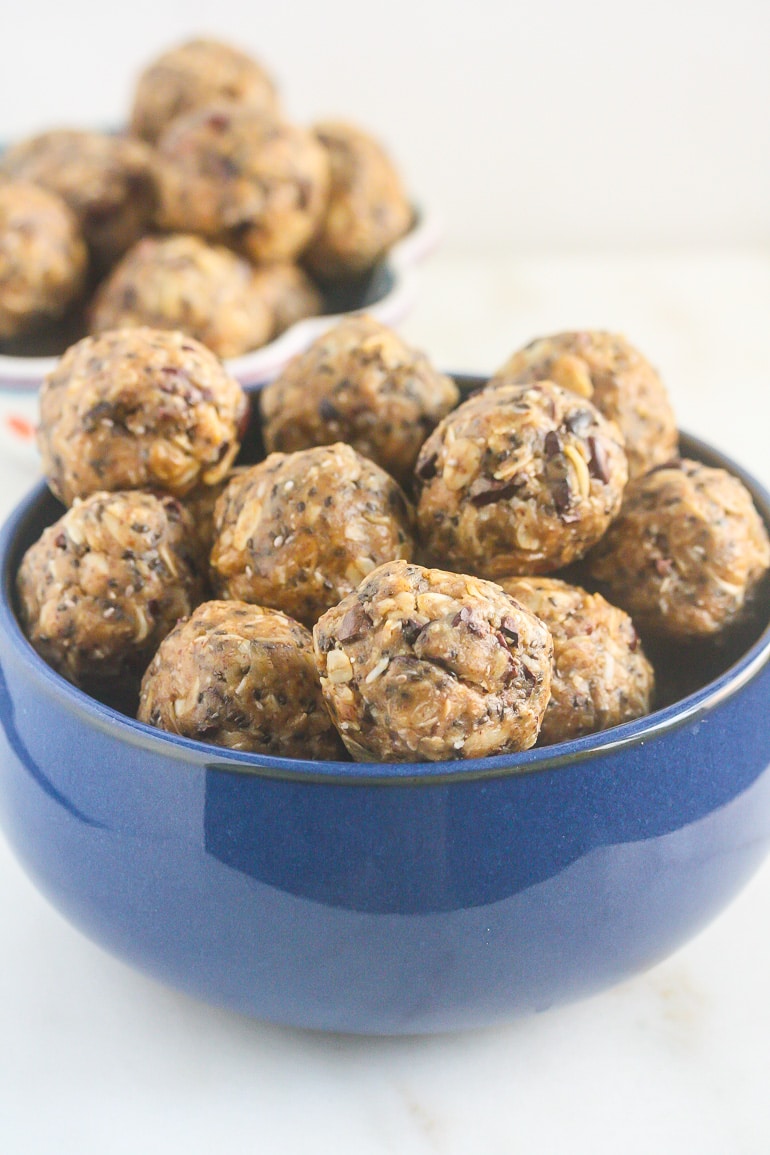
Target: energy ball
pixel 108 181
pixel 106 582
pixel 181 282
pixel 519 479
pixel 240 676
pixel 618 380
pixel 368 207
pixel 361 384
pixel 194 74
pixel 288 293
pixel 243 178
pixel 138 408
pixel 600 674
pixel 43 258
pixel 420 664
pixel 300 530
pixel 200 504
pixel 686 552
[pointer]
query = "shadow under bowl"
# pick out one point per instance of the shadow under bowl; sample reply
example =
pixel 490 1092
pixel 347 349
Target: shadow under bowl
pixel 387 898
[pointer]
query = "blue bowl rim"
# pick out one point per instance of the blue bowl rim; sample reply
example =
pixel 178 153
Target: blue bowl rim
pixel 535 760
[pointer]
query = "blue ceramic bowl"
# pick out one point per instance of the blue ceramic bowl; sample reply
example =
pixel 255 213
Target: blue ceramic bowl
pixel 387 898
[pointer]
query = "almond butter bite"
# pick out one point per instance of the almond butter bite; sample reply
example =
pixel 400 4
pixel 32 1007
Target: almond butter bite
pixel 300 530
pixel 368 208
pixel 519 479
pixel 421 665
pixel 108 182
pixel 104 584
pixel 686 553
pixel 193 74
pixel 240 676
pixel 181 282
pixel 138 408
pixel 601 676
pixel 608 371
pixel 358 383
pixel 43 259
pixel 241 177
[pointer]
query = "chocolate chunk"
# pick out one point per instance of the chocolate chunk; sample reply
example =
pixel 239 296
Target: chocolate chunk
pixel 484 492
pixel 674 463
pixel 219 122
pixel 466 616
pixel 509 628
pixel 97 413
pixel 354 623
pixel 427 469
pixel 552 443
pixel 410 630
pixel 513 667
pixel 548 406
pixel 579 421
pixel 327 411
pixel 561 493
pixel 598 466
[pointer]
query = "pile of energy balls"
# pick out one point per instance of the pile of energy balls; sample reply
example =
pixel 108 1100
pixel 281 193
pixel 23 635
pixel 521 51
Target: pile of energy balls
pixel 419 538
pixel 213 215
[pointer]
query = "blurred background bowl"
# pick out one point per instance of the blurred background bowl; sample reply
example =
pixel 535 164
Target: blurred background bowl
pixel 387 292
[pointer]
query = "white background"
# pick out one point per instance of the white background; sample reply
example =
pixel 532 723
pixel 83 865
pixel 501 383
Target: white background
pixel 604 165
pixel 531 122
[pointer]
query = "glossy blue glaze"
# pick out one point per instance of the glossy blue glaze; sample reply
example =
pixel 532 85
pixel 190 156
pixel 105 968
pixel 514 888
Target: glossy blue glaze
pixel 381 898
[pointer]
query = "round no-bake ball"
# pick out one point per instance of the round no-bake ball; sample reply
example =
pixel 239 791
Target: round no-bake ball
pixel 519 479
pixel 240 676
pixel 299 531
pixel 138 408
pixel 420 664
pixel 616 378
pixel 194 74
pixel 358 383
pixel 241 177
pixel 686 552
pixel 181 282
pixel 368 207
pixel 108 181
pixel 43 258
pixel 600 676
pixel 288 293
pixel 200 504
pixel 106 582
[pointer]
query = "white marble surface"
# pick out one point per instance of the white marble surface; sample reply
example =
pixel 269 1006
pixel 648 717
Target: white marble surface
pixel 97 1060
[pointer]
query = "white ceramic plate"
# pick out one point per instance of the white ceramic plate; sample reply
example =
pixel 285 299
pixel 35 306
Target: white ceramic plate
pixel 388 294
